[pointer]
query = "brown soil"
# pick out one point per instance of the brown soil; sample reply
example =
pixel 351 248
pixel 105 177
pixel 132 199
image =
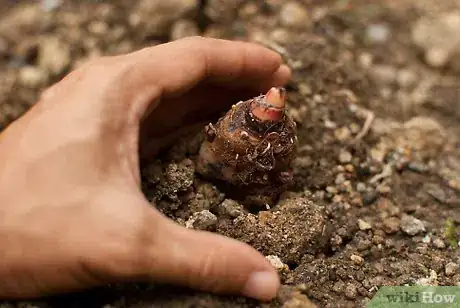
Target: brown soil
pixel 347 226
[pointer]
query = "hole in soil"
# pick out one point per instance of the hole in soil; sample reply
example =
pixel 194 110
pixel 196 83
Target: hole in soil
pixel 292 265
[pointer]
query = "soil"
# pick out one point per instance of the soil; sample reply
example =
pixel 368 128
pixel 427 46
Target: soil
pixel 377 178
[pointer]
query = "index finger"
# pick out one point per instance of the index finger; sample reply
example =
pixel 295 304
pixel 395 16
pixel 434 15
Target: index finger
pixel 178 66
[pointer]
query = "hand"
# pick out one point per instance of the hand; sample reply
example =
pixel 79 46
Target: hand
pixel 72 213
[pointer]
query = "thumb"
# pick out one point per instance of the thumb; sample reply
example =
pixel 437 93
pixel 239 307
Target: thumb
pixel 210 262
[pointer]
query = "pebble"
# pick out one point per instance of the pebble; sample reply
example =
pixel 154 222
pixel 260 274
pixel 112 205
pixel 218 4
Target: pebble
pixel 98 27
pixel 340 179
pixel 411 225
pixel 230 208
pixel 294 14
pixel 426 239
pixel 184 28
pixel 50 5
pixel 280 36
pixel 250 9
pixel 406 78
pixel 439 243
pixel 436 57
pixel 370 197
pixel 203 220
pixel 358 260
pixel 276 262
pixel 332 190
pixel 351 291
pixel 431 280
pixel 365 60
pixel 343 133
pixel 54 55
pixel 364 225
pixel 451 268
pixel 32 76
pixel 383 74
pixel 298 114
pixel 305 89
pixel 361 187
pixel 345 157
pixel 391 225
pixel 378 33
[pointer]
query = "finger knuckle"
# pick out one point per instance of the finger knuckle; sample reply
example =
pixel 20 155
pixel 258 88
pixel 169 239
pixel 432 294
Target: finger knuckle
pixel 209 271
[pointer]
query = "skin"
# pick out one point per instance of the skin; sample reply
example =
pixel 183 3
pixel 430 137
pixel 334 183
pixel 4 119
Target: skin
pixel 72 212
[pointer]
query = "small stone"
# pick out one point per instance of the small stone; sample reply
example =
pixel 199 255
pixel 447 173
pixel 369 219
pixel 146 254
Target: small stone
pixel 365 60
pixel 431 280
pixel 436 57
pixel 50 5
pixel 230 208
pixel 337 199
pixel 383 74
pixel 332 190
pixel 364 225
pixel 54 55
pixel 248 10
pixel 280 36
pixel 204 220
pixel 451 268
pixel 361 187
pixel 98 27
pixel 378 33
pixel 411 225
pixel 305 89
pixel 343 133
pixel 184 28
pixel 406 78
pixel 340 179
pixel 439 243
pixel 338 286
pixel 298 114
pixel 32 76
pixel 370 197
pixel 426 239
pixel 391 225
pixel 294 15
pixel 351 291
pixel 383 189
pixel 358 260
pixel 318 98
pixel 349 168
pixel 345 157
pixel 276 262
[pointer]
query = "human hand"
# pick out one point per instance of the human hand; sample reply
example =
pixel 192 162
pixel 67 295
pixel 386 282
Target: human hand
pixel 73 215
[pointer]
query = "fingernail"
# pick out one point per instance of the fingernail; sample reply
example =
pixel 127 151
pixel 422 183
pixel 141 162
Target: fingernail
pixel 262 285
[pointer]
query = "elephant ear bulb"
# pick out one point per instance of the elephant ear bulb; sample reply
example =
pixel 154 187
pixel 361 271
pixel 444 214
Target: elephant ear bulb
pixel 250 150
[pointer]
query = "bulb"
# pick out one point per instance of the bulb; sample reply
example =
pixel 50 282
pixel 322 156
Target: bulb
pixel 250 149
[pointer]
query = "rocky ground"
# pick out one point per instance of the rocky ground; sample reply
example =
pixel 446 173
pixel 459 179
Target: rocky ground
pixel 375 94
